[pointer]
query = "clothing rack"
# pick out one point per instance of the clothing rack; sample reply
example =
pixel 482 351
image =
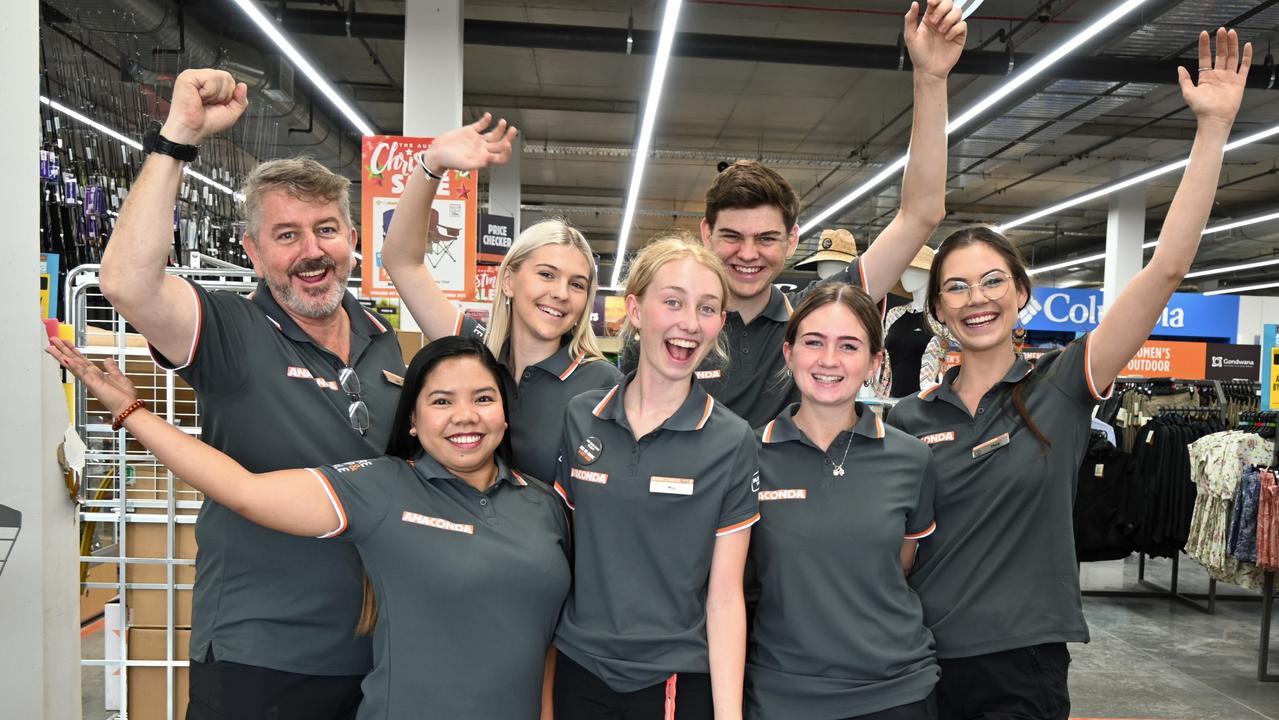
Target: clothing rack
pixel 1267 608
pixel 1225 391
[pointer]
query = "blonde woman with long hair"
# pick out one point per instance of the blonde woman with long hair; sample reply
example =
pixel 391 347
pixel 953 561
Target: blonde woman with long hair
pixel 540 326
pixel 661 480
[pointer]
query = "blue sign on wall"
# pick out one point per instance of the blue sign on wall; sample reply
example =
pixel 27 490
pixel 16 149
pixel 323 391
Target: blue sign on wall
pixel 1270 367
pixel 1187 314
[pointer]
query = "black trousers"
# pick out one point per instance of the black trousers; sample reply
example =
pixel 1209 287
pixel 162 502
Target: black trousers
pixel 925 709
pixel 1023 684
pixel 579 695
pixel 230 691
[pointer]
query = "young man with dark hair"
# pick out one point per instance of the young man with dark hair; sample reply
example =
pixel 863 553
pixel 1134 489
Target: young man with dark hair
pixel 750 223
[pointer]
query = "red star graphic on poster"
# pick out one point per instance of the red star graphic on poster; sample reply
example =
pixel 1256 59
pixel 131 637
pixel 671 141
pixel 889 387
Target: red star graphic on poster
pixel 463 192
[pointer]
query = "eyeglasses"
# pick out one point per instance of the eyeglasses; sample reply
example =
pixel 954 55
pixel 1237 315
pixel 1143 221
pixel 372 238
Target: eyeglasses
pixel 957 293
pixel 358 412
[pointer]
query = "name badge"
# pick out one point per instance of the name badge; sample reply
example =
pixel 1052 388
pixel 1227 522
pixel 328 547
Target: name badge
pixel 990 446
pixel 670 485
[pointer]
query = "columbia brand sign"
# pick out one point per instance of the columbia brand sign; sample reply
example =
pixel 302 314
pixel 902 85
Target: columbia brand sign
pixel 1187 314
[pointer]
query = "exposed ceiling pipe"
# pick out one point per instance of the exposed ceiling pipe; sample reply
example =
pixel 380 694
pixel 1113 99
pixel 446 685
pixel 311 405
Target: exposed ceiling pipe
pixel 535 148
pixel 731 47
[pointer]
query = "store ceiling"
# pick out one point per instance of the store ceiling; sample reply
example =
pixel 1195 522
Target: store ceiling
pixel 827 118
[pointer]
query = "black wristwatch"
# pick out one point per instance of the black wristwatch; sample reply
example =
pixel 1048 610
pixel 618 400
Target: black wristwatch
pixel 154 142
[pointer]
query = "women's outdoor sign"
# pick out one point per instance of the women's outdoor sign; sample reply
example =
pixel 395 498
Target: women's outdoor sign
pixel 387 163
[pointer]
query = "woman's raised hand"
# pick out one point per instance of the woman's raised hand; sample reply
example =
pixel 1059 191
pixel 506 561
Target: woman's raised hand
pixel 471 147
pixel 1216 95
pixel 109 386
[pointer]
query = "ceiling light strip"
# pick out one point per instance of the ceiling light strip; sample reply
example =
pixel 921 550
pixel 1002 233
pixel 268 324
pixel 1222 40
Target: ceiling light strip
pixel 1135 180
pixel 1087 259
pixel 1013 84
pixel 1244 288
pixel 109 132
pixel 268 26
pixel 670 19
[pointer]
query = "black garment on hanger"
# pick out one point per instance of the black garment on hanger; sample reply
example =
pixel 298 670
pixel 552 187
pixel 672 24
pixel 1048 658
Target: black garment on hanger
pixel 1103 528
pixel 906 340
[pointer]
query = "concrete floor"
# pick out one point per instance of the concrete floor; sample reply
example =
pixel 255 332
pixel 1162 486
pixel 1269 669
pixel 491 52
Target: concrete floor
pixel 1149 658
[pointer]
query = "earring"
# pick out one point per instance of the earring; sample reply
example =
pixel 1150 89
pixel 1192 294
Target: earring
pixel 866 382
pixel 413 432
pixel 1019 336
pixel 508 302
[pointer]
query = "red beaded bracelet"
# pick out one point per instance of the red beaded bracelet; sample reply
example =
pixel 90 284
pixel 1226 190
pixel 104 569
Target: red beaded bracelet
pixel 118 421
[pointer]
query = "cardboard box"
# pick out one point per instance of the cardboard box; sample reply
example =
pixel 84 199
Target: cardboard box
pixel 151 482
pixel 93 600
pixel 410 343
pixel 148 685
pixel 149 608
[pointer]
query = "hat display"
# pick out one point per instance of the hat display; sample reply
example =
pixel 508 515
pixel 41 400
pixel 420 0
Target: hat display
pixel 837 245
pixel 923 260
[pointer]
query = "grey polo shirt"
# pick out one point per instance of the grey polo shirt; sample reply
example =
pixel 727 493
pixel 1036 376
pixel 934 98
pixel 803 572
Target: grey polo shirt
pixel 646 516
pixel 838 632
pixel 269 397
pixel 537 402
pixel 469 586
pixel 1000 571
pixel 754 384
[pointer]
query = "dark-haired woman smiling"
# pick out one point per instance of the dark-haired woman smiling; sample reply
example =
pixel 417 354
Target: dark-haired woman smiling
pixel 998 579
pixel 467 556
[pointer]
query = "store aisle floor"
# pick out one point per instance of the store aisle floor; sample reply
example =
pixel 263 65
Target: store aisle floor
pixel 1154 658
pixel 1149 658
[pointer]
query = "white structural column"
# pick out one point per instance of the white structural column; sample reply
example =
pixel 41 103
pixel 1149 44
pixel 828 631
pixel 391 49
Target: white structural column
pixel 504 185
pixel 432 76
pixel 1125 234
pixel 39 611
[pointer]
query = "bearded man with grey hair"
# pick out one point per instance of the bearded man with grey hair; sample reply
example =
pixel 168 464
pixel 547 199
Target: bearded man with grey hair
pixel 296 375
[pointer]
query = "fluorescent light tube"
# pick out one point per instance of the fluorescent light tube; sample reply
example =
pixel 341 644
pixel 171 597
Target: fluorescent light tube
pixel 1232 268
pixel 268 26
pixel 670 19
pixel 1135 180
pixel 1244 288
pixel 1151 243
pixel 59 107
pixel 1066 263
pixel 1014 83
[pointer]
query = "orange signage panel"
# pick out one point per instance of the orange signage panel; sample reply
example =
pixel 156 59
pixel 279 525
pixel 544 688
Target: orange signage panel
pixel 1168 359
pixel 387 162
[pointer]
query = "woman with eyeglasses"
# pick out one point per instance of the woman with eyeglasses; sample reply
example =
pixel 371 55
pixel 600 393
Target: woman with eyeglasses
pixel 469 558
pixel 843 502
pixel 998 579
pixel 540 325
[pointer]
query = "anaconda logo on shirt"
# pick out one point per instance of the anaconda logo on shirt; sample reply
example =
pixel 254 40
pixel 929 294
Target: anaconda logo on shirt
pixel 352 466
pixel 440 523
pixel 792 494
pixel 938 437
pixel 589 476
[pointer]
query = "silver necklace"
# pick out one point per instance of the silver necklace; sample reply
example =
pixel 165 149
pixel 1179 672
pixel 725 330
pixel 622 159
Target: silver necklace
pixel 838 469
